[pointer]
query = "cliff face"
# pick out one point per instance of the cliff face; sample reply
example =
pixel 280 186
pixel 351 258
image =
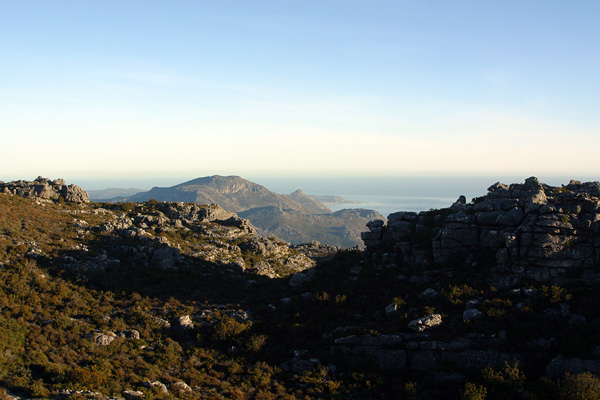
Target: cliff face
pixel 528 230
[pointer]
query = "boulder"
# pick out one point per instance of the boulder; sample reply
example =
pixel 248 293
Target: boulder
pixel 182 323
pixel 180 387
pixel 157 386
pixel 424 323
pixel 472 314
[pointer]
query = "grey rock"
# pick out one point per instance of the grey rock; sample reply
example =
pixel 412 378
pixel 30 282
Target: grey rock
pixel 369 340
pixel 429 293
pixel 391 309
pixel 157 386
pixel 133 394
pixel 183 323
pixel 376 356
pixel 180 387
pixel 535 231
pixel 424 360
pixel 101 339
pixel 302 277
pixel 165 257
pixel 471 304
pixel 424 323
pixel 475 360
pixel 559 366
pixel 472 314
pixel 577 319
pixel 44 188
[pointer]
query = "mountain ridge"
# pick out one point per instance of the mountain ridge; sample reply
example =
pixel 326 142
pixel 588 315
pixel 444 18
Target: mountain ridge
pixel 295 217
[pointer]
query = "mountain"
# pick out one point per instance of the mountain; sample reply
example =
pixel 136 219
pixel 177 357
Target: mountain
pixel 308 201
pixel 295 217
pixel 233 193
pixel 112 193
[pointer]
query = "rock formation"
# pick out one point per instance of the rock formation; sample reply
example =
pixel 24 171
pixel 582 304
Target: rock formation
pixel 45 189
pixel 530 230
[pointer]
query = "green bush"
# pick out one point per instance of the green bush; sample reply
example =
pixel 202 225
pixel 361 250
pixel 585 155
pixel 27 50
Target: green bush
pixel 128 206
pixel 510 378
pixel 473 391
pixel 585 386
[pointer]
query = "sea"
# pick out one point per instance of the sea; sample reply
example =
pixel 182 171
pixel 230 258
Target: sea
pixel 400 193
pixel 385 194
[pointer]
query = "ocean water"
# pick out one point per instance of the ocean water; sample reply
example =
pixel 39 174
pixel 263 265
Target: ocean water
pixel 386 205
pixel 386 194
pixel 405 193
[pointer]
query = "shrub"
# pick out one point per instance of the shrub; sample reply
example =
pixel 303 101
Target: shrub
pixel 553 294
pixel 510 378
pixel 128 206
pixel 228 329
pixel 255 343
pixel 459 294
pixel 473 391
pixel 399 302
pixel 585 386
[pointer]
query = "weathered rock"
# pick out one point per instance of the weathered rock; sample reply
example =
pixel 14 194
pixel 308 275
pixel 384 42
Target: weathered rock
pixel 182 323
pixel 520 231
pixel 180 387
pixel 472 314
pixel 377 356
pixel 132 334
pixel 133 394
pixel 165 257
pixel 302 277
pixel 369 340
pixel 391 309
pixel 46 189
pixel 424 323
pixel 476 360
pixel 102 340
pixel 157 386
pixel 560 365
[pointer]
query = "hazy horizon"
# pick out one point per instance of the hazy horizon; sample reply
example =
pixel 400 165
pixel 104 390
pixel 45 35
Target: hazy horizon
pixel 385 194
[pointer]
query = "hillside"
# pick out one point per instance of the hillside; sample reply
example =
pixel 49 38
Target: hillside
pixel 295 218
pixel 178 300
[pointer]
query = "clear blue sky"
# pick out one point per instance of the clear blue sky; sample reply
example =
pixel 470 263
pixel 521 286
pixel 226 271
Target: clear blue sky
pixel 194 88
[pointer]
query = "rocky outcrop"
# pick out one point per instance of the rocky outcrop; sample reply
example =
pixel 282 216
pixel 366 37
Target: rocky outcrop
pixel 530 230
pixel 424 323
pixel 176 235
pixel 44 188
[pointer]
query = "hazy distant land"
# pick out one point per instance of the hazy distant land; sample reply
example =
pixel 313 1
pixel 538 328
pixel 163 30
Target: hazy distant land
pixel 332 199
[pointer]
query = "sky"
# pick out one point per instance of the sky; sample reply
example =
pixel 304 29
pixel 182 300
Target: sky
pixel 169 89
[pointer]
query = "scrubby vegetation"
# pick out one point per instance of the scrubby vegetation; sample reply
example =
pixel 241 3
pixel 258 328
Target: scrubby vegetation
pixel 199 330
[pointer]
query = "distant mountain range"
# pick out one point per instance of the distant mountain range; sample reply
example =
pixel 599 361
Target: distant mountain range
pixel 295 217
pixel 112 193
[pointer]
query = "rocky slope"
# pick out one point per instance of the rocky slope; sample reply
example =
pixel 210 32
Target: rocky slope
pixel 169 300
pixel 166 235
pixel 295 218
pixel 528 230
